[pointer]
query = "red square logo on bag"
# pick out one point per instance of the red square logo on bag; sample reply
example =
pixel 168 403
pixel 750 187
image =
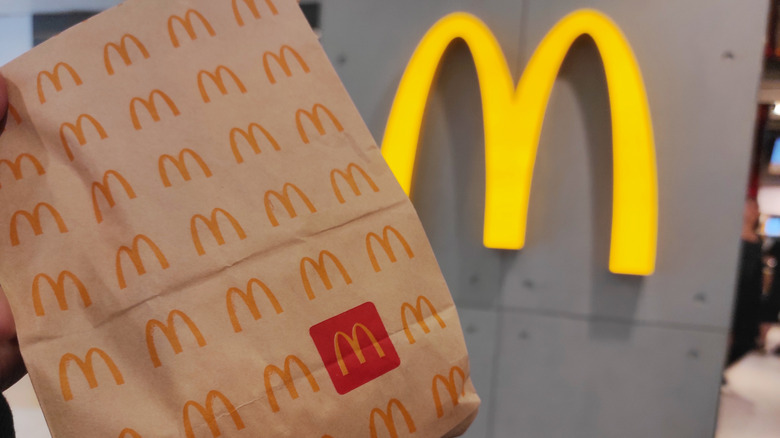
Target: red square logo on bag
pixel 355 347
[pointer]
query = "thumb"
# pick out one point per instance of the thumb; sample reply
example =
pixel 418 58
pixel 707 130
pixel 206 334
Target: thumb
pixel 7 327
pixel 3 98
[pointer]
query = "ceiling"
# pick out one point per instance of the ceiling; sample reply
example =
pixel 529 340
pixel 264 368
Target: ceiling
pixel 23 7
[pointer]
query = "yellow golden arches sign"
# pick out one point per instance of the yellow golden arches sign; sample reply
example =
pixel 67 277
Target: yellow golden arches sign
pixel 513 120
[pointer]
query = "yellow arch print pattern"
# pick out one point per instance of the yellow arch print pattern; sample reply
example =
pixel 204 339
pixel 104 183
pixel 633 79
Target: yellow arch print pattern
pixel 119 207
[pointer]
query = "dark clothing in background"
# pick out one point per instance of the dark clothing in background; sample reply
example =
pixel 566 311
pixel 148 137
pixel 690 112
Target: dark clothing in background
pixel 6 419
pixel 770 307
pixel 747 308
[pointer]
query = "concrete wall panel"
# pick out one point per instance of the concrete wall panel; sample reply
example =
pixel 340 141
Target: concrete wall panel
pixel 581 352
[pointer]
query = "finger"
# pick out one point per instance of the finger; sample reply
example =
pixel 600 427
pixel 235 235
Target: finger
pixel 11 365
pixel 7 327
pixel 3 97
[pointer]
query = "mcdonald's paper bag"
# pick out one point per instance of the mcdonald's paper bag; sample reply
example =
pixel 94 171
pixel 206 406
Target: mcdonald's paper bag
pixel 202 239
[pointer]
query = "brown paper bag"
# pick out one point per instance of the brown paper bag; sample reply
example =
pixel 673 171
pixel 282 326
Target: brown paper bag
pixel 203 240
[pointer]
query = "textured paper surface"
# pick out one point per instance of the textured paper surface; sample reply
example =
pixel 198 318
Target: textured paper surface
pixel 173 276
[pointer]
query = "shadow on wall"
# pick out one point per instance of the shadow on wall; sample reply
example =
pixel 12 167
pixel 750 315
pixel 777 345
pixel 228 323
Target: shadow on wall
pixel 449 184
pixel 613 296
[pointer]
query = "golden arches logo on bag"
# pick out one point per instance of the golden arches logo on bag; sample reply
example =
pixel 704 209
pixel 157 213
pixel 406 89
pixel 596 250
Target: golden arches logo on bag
pixel 129 433
pixel 123 51
pixel 150 105
pixel 315 118
pixel 450 386
pixel 16 165
pixel 417 312
pixel 513 120
pixel 287 378
pixel 34 220
pixel 348 175
pixel 208 414
pixel 87 367
pixel 360 333
pixel 58 287
pixel 384 243
pixel 212 224
pixel 250 302
pixel 105 189
pixel 253 9
pixel 388 419
pixel 168 328
pixel 77 130
pixel 187 24
pixel 281 60
pixel 321 269
pixel 285 197
pixel 354 343
pixel 181 165
pixel 250 135
pixel 55 79
pixel 218 79
pixel 134 253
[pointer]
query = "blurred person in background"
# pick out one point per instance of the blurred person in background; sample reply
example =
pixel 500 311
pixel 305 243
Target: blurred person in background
pixel 746 319
pixel 770 306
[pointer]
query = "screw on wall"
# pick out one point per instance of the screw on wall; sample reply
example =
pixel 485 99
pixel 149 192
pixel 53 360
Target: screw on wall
pixel 693 353
pixel 700 297
pixel 528 283
pixel 524 335
pixel 728 54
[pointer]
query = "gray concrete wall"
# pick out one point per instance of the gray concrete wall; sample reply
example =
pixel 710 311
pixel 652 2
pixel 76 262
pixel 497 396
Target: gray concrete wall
pixel 559 346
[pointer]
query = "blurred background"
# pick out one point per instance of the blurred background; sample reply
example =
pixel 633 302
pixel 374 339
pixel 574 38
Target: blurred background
pixel 560 346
